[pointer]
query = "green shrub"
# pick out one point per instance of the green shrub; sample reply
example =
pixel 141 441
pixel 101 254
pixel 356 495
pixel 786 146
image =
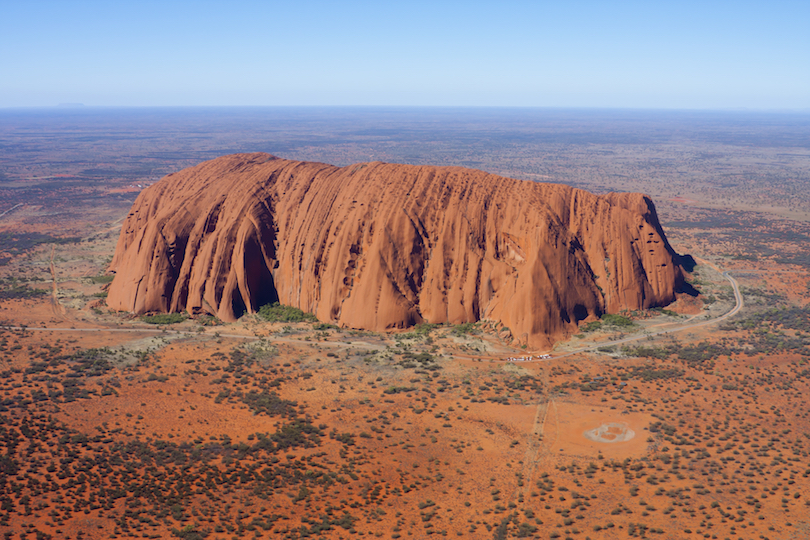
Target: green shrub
pixel 425 328
pixel 617 320
pixel 275 312
pixel 591 326
pixel 208 320
pixel 399 389
pixel 420 331
pixel 189 532
pixel 661 353
pixel 324 326
pixel 465 328
pixel 11 288
pixel 269 403
pixel 164 318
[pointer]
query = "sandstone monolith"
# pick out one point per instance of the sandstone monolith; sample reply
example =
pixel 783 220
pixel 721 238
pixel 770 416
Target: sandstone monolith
pixel 380 246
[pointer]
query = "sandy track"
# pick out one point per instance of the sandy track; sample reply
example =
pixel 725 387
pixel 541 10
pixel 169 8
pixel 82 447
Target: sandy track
pixel 538 447
pixel 12 208
pixel 533 447
pixel 58 309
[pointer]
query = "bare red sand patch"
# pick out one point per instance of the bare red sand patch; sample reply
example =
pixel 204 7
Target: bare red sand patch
pixel 611 432
pixel 590 431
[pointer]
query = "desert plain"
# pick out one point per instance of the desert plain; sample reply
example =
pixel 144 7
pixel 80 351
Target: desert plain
pixel 686 421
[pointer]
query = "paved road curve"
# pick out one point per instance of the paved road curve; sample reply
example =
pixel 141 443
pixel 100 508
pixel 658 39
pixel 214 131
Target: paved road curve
pixel 207 333
pixel 689 326
pixel 739 305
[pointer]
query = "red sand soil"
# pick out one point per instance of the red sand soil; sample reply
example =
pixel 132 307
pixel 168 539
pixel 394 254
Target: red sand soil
pixel 161 433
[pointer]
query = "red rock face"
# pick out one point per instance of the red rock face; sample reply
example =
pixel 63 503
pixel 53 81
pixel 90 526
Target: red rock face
pixel 380 246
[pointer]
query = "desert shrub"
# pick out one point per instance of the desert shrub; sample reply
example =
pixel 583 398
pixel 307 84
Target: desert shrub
pixel 663 311
pixel 189 532
pixel 425 328
pixel 420 331
pixel 526 530
pixel 649 373
pixel 399 389
pixel 102 278
pixel 465 328
pixel 11 289
pixel 91 362
pixel 323 326
pixel 793 318
pixel 660 353
pixel 345 438
pixel 208 320
pixel 275 312
pixel 345 521
pixel 424 360
pixel 617 320
pixel 299 433
pixel 16 242
pixel 269 403
pixel 164 318
pixel 702 352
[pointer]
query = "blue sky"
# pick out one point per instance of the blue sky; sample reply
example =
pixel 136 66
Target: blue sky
pixel 651 54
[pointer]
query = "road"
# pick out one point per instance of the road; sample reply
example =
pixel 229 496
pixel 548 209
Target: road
pixel 212 333
pixel 10 209
pixel 125 330
pixel 690 326
pixel 681 328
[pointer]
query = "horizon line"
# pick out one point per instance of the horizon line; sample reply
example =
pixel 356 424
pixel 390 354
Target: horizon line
pixel 82 106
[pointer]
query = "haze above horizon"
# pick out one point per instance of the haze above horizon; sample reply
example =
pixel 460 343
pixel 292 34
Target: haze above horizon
pixel 685 55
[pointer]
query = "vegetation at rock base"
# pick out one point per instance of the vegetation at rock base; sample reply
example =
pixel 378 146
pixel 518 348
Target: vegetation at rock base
pixel 164 318
pixel 276 312
pixel 619 321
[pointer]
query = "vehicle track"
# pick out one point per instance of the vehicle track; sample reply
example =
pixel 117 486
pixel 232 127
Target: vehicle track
pixel 12 208
pixel 58 309
pixel 537 449
pixel 736 309
pixel 681 328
